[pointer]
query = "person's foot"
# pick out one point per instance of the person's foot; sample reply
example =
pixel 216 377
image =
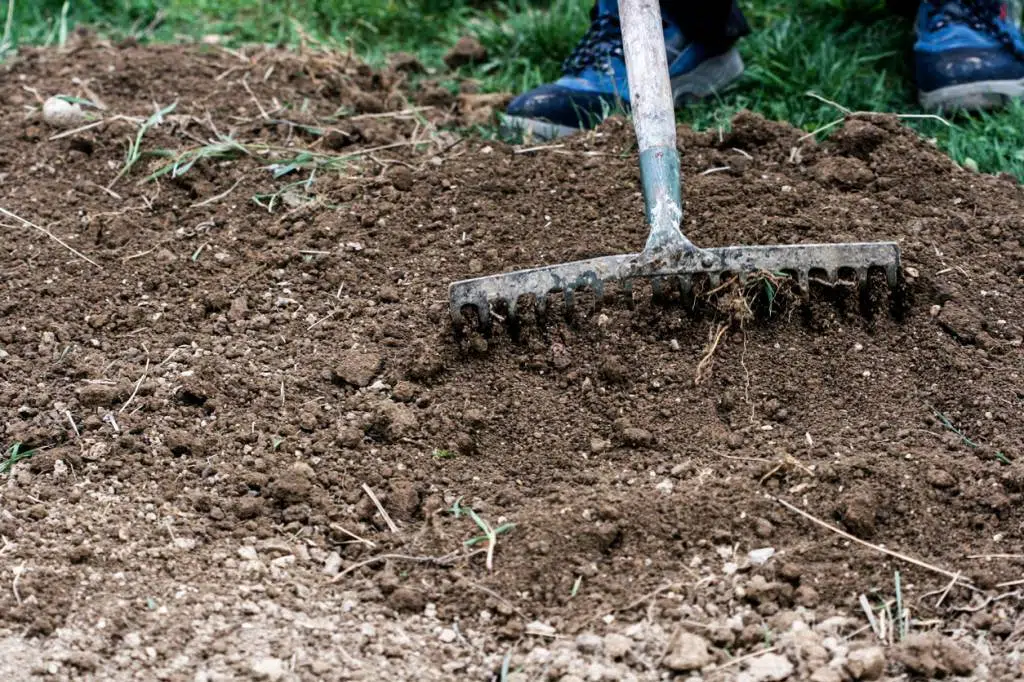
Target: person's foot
pixel 594 82
pixel 968 55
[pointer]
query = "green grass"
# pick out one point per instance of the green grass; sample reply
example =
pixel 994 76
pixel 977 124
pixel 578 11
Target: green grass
pixel 852 52
pixel 14 455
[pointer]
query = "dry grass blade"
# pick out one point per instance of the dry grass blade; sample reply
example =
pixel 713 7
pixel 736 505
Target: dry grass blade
pixel 136 389
pixel 876 627
pixel 383 512
pixel 883 550
pixel 49 234
pixel 437 560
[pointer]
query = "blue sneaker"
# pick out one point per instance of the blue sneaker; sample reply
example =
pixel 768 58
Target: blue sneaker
pixel 968 54
pixel 594 83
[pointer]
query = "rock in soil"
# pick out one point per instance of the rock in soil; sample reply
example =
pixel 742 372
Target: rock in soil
pixel 687 652
pixel 769 668
pixel 867 663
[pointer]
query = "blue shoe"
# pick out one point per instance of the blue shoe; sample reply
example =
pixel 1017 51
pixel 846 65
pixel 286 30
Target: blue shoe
pixel 594 83
pixel 968 54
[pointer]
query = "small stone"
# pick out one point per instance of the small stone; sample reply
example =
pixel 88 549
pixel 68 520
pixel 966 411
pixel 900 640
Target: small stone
pixel 806 596
pixel 769 668
pixel 686 652
pixel 332 564
pixel 540 628
pixel 866 664
pixel 665 486
pixel 638 438
pixel 588 643
pixel 759 557
pixel 447 635
pixel 268 668
pixel 826 674
pixel 61 113
pixel 599 445
pixel 763 528
pixel 616 646
pixel 401 178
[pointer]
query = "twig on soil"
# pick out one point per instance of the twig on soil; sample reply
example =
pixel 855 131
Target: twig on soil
pixel 876 627
pixel 245 84
pixel 847 113
pixel 389 114
pixel 352 535
pixel 74 426
pixel 746 657
pixel 1012 583
pixel 322 319
pixel 704 366
pixel 380 508
pixel 138 383
pixel 437 560
pixel 52 236
pixel 75 131
pixel 945 592
pixel 491 593
pixel 110 192
pixel 717 169
pixel 995 556
pixel 218 197
pixel 538 148
pixel 877 548
pixel 647 597
pixel 14 584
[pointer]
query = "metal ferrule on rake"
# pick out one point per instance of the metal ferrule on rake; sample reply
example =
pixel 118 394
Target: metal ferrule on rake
pixel 669 259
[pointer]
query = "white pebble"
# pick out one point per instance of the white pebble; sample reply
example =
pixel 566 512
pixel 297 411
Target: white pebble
pixel 63 114
pixel 447 635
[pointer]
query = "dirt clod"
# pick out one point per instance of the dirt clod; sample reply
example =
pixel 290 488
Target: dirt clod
pixel 467 50
pixel 940 478
pixel 933 655
pixel 867 663
pixel 357 367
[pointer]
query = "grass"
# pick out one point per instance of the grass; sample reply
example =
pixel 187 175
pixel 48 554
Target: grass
pixel 14 455
pixel 490 533
pixel 853 52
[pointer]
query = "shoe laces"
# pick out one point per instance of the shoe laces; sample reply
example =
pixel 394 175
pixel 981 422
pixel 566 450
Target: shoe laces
pixel 980 15
pixel 600 44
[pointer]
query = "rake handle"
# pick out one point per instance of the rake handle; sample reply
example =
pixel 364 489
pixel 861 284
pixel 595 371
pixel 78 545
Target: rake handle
pixel 653 109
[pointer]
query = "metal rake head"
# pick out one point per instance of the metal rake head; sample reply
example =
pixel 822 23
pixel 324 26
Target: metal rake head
pixel 671 267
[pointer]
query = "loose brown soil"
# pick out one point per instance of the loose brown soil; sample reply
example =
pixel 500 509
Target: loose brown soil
pixel 215 394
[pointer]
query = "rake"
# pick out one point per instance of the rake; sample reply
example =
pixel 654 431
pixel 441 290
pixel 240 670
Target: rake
pixel 669 260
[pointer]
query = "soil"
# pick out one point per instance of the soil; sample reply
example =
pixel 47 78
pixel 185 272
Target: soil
pixel 225 376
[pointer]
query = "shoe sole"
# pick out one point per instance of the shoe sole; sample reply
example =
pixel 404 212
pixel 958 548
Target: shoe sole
pixel 705 80
pixel 972 96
